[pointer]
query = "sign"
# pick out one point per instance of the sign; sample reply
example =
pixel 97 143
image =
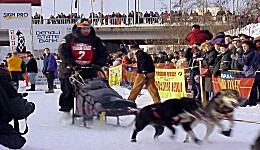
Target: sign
pixel 115 75
pixel 20 40
pixel 33 2
pixel 11 17
pixel 234 80
pixel 170 82
pixel 49 35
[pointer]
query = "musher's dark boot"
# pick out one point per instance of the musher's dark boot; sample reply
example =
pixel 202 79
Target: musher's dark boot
pixel 50 91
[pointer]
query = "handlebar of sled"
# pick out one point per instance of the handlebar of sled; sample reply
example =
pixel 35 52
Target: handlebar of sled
pixel 77 78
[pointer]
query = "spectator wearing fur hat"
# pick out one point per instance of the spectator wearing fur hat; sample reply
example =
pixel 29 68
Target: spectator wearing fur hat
pixel 145 75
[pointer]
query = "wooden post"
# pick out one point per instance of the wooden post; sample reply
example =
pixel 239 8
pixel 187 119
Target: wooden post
pixel 202 92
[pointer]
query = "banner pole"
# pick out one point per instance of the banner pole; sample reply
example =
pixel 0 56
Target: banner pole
pixel 202 92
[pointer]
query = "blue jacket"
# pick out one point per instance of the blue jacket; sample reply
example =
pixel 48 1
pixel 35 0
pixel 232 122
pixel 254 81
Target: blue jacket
pixel 50 65
pixel 248 59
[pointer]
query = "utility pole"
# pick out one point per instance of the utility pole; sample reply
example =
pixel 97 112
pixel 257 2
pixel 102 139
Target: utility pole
pixel 138 8
pixel 233 7
pixel 134 12
pixel 180 3
pixel 170 6
pixel 154 6
pixel 102 7
pixel 54 2
pixel 128 11
pixel 237 7
pixel 78 7
pixel 92 12
pixel 71 7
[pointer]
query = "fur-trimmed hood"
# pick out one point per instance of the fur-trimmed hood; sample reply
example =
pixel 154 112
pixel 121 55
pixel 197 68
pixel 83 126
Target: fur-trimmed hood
pixel 75 32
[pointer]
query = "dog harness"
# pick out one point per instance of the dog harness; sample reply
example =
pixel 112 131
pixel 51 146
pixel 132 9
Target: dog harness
pixel 174 121
pixel 155 113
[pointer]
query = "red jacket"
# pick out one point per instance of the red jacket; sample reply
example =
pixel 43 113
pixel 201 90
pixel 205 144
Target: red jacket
pixel 197 35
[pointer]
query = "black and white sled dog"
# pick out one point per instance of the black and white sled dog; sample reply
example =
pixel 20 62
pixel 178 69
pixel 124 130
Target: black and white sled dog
pixel 222 105
pixel 169 113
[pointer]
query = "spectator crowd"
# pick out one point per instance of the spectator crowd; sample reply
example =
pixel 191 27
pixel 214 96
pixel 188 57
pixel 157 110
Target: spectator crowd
pixel 151 17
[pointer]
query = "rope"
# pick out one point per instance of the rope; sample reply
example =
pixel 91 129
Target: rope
pixel 240 120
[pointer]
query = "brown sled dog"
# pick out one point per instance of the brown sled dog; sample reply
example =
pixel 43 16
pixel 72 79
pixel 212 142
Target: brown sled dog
pixel 222 105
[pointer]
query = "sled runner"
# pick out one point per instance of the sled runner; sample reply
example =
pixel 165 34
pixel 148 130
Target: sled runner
pixel 94 96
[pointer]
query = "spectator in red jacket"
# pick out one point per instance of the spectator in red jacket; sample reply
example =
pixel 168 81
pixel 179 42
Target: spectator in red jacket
pixel 198 35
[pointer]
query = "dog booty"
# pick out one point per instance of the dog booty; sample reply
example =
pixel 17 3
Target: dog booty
pixel 227 133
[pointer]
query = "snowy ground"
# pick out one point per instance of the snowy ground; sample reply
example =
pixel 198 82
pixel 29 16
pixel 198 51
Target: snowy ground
pixel 46 132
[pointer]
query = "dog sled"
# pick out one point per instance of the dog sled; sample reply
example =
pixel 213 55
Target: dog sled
pixel 94 98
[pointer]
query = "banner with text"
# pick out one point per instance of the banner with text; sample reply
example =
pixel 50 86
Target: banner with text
pixel 170 82
pixel 234 80
pixel 115 75
pixel 129 73
pixel 20 40
pixel 49 35
pixel 15 16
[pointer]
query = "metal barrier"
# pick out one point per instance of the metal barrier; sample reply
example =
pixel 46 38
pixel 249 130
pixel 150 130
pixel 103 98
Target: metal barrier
pixel 146 21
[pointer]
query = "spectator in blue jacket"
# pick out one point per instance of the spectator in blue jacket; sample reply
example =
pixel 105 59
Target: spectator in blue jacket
pixel 50 69
pixel 250 61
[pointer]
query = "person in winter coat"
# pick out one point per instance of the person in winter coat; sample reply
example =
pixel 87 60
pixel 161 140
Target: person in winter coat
pixel 236 54
pixel 194 64
pixel 15 64
pixel 250 61
pixel 32 70
pixel 12 106
pixel 161 58
pixel 145 75
pixel 208 60
pixel 197 35
pixel 257 43
pixel 80 48
pixel 225 61
pixel 50 69
pixel 117 60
